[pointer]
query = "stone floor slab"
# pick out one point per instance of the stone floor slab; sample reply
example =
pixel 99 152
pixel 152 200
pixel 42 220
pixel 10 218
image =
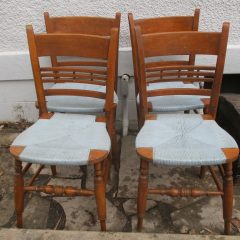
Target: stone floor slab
pixel 130 206
pixel 204 216
pixel 15 234
pixel 158 177
pixel 81 214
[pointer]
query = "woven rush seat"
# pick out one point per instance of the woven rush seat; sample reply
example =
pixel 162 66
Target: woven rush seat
pixel 184 139
pixel 64 139
pixel 77 104
pixel 174 102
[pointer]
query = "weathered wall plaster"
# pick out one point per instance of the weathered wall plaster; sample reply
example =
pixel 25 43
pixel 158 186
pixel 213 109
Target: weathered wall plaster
pixel 15 14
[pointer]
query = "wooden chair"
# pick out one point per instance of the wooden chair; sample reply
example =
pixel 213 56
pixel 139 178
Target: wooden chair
pixel 157 25
pixel 65 138
pixel 83 25
pixel 76 104
pixel 184 139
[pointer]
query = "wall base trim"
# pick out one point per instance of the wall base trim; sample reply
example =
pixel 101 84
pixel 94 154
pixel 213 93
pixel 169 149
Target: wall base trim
pixel 17 93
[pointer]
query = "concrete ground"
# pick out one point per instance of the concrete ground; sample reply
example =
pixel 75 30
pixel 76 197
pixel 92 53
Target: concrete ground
pixel 29 234
pixel 192 216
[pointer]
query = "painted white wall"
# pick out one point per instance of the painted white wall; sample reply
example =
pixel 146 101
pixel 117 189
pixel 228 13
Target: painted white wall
pixel 17 94
pixel 15 14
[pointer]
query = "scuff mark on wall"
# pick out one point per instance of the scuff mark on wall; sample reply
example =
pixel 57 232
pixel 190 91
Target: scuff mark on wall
pixel 19 113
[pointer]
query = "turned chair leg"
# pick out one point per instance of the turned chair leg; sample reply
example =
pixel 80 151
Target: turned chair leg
pixel 19 192
pixel 142 193
pixel 100 195
pixel 203 171
pixel 107 166
pixel 227 198
pixel 54 170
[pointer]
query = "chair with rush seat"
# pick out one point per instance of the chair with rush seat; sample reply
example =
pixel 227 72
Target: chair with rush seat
pixel 66 138
pixel 166 103
pixel 100 26
pixel 84 79
pixel 184 139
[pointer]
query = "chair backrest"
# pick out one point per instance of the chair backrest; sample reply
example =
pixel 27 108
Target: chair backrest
pixel 82 25
pixel 158 25
pixel 182 43
pixel 100 52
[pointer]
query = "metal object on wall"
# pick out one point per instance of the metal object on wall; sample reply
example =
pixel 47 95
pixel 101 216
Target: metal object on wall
pixel 124 91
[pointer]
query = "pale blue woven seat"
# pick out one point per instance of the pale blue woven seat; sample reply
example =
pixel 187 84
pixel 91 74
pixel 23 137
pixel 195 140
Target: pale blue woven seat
pixel 184 139
pixel 77 104
pixel 64 139
pixel 174 103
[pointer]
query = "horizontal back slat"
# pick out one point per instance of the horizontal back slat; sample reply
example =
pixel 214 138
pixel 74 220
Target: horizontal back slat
pixel 73 80
pixel 180 67
pixel 186 43
pixel 179 73
pixel 165 24
pixel 73 69
pixel 165 63
pixel 187 74
pixel 75 92
pixel 83 63
pixel 182 79
pixel 73 75
pixel 72 45
pixel 179 91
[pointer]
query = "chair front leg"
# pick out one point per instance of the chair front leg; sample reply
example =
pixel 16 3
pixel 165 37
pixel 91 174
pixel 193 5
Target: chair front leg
pixel 227 198
pixel 19 192
pixel 100 195
pixel 142 192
